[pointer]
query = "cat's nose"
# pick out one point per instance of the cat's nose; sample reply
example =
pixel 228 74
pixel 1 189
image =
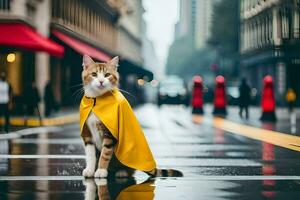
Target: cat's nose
pixel 101 82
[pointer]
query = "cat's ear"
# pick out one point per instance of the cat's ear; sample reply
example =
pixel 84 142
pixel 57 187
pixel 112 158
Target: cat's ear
pixel 114 62
pixel 87 61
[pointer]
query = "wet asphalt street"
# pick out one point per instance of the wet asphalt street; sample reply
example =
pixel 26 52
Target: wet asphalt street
pixel 216 164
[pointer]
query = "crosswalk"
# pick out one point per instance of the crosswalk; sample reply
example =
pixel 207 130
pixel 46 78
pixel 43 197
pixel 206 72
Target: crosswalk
pixel 215 163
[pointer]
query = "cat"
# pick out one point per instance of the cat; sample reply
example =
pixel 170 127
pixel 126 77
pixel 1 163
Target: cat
pixel 100 79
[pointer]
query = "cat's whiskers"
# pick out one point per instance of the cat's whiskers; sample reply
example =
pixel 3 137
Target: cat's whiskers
pixel 127 92
pixel 77 85
pixel 77 93
pixel 78 90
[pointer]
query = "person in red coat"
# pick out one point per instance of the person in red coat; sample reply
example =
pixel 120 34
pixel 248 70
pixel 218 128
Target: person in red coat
pixel 197 98
pixel 220 101
pixel 268 100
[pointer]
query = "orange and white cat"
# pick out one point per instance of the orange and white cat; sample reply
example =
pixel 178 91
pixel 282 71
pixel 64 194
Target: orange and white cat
pixel 99 79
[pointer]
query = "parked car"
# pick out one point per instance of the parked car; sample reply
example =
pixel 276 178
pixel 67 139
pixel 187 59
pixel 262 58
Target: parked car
pixel 172 91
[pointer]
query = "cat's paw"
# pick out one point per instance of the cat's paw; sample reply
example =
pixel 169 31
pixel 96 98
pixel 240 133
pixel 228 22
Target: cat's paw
pixel 88 172
pixel 88 182
pixel 101 173
pixel 101 182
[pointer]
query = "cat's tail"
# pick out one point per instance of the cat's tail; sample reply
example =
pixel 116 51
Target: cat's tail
pixel 165 173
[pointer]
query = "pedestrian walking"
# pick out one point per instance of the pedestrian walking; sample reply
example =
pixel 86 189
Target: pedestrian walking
pixel 220 101
pixel 245 98
pixel 290 98
pixel 49 99
pixel 32 99
pixel 5 100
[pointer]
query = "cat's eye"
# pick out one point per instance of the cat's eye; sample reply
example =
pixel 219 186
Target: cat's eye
pixel 107 74
pixel 94 74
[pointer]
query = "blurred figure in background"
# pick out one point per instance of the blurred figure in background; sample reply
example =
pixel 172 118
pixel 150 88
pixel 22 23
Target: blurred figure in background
pixel 197 95
pixel 220 101
pixel 49 99
pixel 5 100
pixel 32 99
pixel 245 98
pixel 291 99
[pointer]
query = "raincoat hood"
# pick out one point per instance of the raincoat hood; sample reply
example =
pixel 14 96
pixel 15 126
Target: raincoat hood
pixel 117 115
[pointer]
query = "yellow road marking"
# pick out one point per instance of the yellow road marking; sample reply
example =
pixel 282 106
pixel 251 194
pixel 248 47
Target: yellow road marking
pixel 56 121
pixel 197 119
pixel 273 137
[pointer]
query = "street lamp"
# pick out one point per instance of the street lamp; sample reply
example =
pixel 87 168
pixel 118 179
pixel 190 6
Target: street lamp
pixel 11 57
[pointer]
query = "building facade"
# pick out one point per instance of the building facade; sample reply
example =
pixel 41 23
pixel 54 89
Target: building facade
pixel 60 32
pixel 203 22
pixel 183 26
pixel 130 48
pixel 270 43
pixel 195 21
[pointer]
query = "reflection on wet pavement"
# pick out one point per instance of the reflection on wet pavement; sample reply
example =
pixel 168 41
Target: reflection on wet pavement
pixel 157 189
pixel 215 164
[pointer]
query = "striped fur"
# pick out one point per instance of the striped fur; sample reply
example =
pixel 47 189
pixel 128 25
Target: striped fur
pixel 93 73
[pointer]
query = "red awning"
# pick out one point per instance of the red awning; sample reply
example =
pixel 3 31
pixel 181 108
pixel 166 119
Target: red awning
pixel 20 35
pixel 81 47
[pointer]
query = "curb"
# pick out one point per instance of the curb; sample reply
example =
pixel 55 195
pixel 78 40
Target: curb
pixel 34 122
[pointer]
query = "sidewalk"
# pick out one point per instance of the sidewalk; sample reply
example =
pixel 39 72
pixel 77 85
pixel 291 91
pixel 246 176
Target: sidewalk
pixel 60 118
pixel 283 118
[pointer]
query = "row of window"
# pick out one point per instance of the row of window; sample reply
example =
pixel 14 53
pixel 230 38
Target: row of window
pixel 249 4
pixel 258 32
pixel 77 16
pixel 4 5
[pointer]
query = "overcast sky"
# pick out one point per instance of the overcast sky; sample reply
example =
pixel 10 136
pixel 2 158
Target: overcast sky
pixel 161 16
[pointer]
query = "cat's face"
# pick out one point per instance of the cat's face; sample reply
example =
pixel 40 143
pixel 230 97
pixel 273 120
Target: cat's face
pixel 99 78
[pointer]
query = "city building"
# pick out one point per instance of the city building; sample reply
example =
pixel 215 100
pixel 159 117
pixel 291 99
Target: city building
pixel 191 32
pixel 195 21
pixel 130 48
pixel 44 40
pixel 203 22
pixel 183 27
pixel 270 43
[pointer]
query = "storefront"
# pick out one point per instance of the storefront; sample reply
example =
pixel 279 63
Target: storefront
pixel 19 43
pixel 283 64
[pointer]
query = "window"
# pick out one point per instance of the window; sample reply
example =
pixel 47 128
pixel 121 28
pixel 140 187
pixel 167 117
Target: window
pixel 4 5
pixel 31 10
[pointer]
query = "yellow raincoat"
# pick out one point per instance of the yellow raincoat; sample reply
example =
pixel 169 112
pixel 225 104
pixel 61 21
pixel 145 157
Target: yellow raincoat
pixel 116 114
pixel 144 191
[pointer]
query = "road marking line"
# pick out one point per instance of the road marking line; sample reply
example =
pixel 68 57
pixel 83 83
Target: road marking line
pixel 37 178
pixel 7 156
pixel 196 178
pixel 163 162
pixel 29 131
pixel 273 137
pixel 241 177
pixel 296 145
pixel 55 121
pixel 65 141
pixel 205 162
